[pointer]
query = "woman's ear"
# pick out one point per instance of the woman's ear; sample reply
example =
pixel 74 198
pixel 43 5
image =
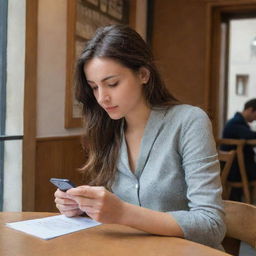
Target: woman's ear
pixel 144 75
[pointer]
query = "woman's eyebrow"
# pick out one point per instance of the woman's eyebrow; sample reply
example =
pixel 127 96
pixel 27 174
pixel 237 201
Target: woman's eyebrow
pixel 104 79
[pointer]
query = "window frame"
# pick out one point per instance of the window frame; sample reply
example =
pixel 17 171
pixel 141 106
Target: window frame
pixel 3 64
pixel 3 94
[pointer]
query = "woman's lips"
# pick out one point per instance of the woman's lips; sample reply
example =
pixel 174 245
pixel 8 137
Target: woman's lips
pixel 110 108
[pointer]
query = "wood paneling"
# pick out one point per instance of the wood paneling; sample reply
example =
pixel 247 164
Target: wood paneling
pixel 132 12
pixel 59 158
pixel 186 45
pixel 29 145
pixel 178 43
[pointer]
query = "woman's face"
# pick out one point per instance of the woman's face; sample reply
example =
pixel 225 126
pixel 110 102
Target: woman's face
pixel 117 89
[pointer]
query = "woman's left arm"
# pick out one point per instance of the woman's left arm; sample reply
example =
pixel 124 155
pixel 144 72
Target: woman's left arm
pixel 103 206
pixel 204 221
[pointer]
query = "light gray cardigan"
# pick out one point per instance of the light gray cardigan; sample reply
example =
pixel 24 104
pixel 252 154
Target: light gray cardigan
pixel 177 172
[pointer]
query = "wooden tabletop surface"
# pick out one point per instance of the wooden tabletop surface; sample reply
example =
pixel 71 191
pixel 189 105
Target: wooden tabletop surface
pixel 102 240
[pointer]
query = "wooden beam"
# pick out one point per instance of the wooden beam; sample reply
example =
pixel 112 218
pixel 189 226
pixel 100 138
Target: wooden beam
pixel 29 143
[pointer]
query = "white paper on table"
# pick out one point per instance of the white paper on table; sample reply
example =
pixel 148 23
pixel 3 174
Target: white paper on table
pixel 51 227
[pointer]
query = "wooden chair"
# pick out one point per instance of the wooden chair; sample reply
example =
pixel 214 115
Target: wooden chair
pixel 227 157
pixel 241 226
pixel 244 184
pixel 252 183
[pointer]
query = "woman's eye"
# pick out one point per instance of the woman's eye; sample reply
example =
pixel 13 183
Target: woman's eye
pixel 94 88
pixel 113 85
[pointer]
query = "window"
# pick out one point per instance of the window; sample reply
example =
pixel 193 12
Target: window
pixel 3 46
pixel 12 30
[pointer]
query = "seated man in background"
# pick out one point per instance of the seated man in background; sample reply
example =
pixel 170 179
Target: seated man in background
pixel 238 128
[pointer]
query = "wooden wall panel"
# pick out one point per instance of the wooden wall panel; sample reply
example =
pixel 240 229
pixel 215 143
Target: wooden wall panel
pixel 132 12
pixel 186 48
pixel 59 158
pixel 29 142
pixel 179 46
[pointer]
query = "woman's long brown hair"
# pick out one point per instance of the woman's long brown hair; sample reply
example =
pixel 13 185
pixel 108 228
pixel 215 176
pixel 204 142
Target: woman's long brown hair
pixel 102 135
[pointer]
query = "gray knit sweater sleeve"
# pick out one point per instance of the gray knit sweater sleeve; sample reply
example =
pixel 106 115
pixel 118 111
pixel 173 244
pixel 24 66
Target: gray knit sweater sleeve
pixel 177 172
pixel 204 221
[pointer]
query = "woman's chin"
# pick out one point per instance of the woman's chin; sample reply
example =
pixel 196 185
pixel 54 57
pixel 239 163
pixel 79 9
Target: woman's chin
pixel 115 116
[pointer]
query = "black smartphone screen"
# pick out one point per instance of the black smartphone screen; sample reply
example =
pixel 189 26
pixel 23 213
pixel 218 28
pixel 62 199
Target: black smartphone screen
pixel 62 184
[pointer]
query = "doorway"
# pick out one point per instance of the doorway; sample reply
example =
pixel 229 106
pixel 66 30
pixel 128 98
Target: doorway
pixel 238 76
pixel 232 60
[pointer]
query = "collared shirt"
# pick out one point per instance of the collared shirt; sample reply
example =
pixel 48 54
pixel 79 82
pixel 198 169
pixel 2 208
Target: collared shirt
pixel 177 172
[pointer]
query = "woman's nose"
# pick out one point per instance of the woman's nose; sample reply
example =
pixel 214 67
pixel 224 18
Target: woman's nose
pixel 103 96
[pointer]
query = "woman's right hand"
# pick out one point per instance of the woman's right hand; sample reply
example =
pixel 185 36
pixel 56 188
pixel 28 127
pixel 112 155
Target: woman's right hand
pixel 66 205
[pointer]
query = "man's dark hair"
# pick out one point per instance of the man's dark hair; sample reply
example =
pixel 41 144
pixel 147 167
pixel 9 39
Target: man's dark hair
pixel 250 104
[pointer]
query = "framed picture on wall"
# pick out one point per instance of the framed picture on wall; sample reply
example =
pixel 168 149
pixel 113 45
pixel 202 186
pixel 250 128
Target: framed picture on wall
pixel 241 84
pixel 83 18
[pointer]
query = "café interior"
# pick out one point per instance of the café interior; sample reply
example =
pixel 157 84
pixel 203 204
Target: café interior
pixel 205 51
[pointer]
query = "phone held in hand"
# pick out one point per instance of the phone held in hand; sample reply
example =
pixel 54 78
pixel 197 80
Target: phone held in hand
pixel 62 184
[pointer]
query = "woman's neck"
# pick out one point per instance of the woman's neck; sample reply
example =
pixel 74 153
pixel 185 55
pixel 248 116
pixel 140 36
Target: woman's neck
pixel 137 121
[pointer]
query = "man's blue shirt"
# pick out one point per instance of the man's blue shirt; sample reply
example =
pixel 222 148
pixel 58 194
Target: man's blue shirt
pixel 238 128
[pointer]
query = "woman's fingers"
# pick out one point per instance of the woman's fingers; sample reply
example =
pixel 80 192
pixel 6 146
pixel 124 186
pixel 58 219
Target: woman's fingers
pixel 87 191
pixel 71 212
pixel 87 196
pixel 65 201
pixel 98 203
pixel 86 202
pixel 66 205
pixel 61 194
pixel 63 207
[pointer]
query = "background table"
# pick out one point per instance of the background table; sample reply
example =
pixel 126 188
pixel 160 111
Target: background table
pixel 102 240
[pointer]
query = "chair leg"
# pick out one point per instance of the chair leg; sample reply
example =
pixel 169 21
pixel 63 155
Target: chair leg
pixel 228 191
pixel 247 197
pixel 253 196
pixel 224 192
pixel 244 177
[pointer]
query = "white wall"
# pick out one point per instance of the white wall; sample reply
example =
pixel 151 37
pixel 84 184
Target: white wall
pixel 14 104
pixel 241 61
pixel 51 80
pixel 52 23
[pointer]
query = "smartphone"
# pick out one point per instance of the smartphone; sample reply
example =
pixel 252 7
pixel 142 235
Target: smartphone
pixel 62 184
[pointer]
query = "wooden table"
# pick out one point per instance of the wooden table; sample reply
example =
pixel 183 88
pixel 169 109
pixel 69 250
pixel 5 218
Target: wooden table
pixel 102 240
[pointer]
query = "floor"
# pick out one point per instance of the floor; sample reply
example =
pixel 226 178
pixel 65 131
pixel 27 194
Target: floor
pixel 246 250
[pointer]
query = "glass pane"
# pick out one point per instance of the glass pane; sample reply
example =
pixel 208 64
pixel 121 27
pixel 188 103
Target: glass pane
pixel 12 175
pixel 11 103
pixel 15 67
pixel 3 47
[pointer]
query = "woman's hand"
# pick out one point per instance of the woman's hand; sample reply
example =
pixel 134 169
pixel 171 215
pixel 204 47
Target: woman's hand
pixel 105 207
pixel 98 203
pixel 66 205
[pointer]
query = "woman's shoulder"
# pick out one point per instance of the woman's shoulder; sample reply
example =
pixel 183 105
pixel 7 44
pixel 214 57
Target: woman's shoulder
pixel 186 111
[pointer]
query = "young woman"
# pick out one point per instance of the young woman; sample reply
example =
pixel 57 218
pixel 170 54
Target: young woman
pixel 152 162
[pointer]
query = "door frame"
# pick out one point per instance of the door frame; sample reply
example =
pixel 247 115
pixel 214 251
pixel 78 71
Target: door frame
pixel 30 92
pixel 215 10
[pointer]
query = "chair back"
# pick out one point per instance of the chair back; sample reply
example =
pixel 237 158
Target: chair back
pixel 241 224
pixel 227 157
pixel 244 184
